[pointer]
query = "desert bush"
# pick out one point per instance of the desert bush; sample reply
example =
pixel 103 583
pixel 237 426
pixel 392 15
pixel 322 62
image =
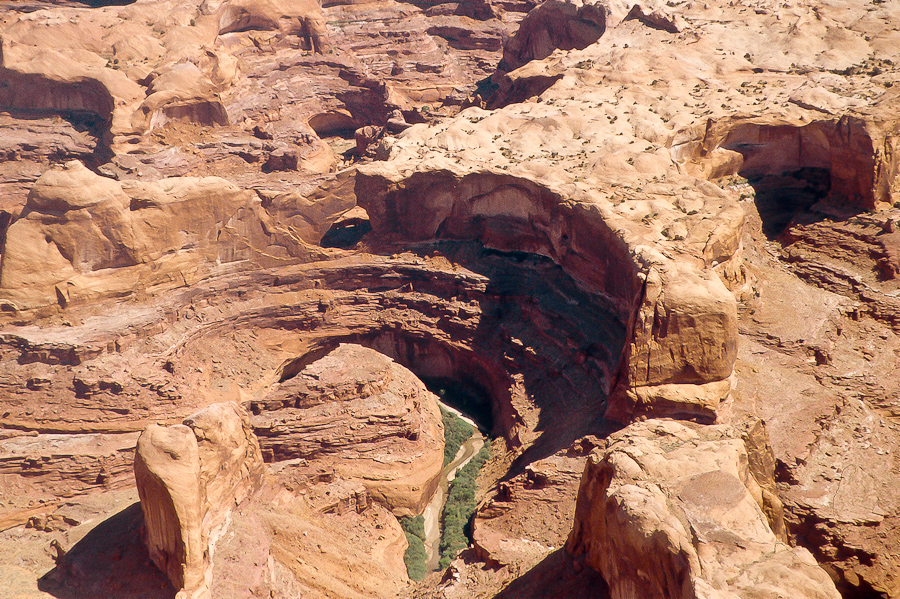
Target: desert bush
pixel 415 557
pixel 459 507
pixel 414 525
pixel 456 432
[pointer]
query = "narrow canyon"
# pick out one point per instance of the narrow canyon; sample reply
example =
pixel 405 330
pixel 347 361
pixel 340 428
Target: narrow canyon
pixel 449 299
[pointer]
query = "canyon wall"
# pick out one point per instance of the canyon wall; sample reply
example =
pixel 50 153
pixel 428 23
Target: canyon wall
pixel 670 211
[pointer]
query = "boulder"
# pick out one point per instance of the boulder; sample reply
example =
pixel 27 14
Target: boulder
pixel 668 510
pixel 190 477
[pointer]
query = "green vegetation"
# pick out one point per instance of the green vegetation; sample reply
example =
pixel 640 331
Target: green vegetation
pixel 456 432
pixel 414 525
pixel 415 556
pixel 459 507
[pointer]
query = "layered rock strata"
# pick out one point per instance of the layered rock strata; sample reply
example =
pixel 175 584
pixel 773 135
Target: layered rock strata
pixel 293 538
pixel 671 510
pixel 248 88
pixel 82 237
pixel 477 318
pixel 307 524
pixel 586 137
pixel 529 516
pixel 602 262
pixel 680 316
pixel 360 414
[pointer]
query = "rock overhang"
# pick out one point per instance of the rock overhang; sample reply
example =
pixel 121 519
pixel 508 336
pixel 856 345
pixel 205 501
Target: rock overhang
pixel 613 235
pixel 634 141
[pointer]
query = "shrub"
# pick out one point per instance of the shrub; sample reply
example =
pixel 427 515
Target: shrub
pixel 415 557
pixel 459 507
pixel 414 525
pixel 456 432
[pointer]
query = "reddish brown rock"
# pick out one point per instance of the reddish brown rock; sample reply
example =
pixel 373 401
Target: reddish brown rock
pixel 528 517
pixel 121 237
pixel 595 274
pixel 366 417
pixel 288 541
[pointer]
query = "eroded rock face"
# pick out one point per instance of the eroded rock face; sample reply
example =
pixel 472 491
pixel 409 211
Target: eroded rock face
pixel 529 516
pixel 678 505
pixel 580 251
pixel 681 317
pixel 554 25
pixel 364 416
pixel 244 88
pixel 34 77
pixel 82 236
pixel 190 477
pixel 590 128
pixel 308 535
pixel 78 225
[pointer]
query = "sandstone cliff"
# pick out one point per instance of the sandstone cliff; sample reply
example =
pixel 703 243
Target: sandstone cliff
pixel 670 210
pixel 360 414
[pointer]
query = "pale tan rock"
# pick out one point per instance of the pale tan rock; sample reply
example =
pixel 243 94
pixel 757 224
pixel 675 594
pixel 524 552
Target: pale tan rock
pixel 657 18
pixel 684 349
pixel 280 544
pixel 190 477
pixel 773 86
pixel 612 114
pixel 38 78
pixel 167 471
pixel 304 19
pixel 525 518
pixel 680 505
pixel 63 466
pixel 681 401
pixel 121 237
pixel 701 317
pixel 685 331
pixel 107 241
pixel 230 458
pixel 181 93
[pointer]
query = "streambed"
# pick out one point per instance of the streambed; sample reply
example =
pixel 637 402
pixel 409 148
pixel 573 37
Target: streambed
pixel 432 513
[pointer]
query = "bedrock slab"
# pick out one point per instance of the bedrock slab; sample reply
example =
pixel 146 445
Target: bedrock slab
pixel 674 510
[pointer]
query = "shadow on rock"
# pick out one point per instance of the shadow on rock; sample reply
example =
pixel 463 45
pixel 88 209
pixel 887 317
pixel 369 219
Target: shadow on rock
pixel 557 576
pixel 110 562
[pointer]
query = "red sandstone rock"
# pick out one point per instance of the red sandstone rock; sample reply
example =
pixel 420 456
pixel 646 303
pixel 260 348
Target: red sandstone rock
pixel 684 159
pixel 365 417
